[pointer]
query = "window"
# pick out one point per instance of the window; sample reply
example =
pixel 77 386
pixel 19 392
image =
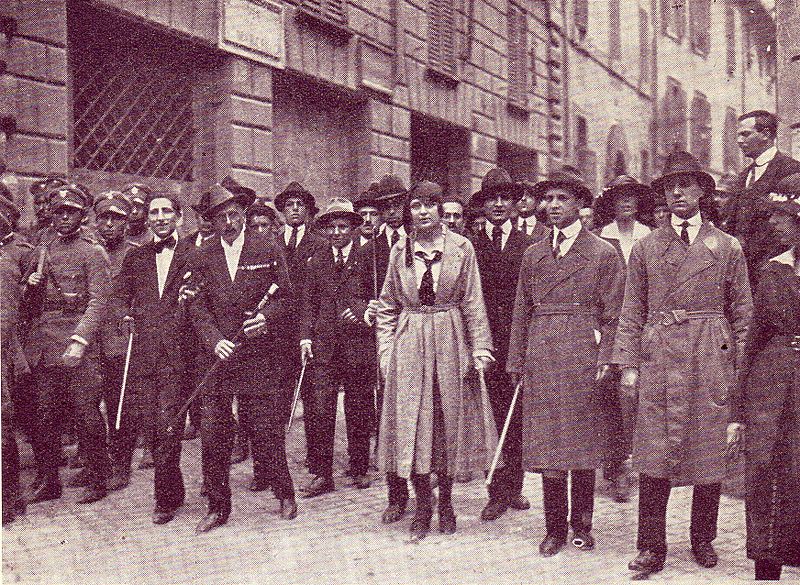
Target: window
pixel 585 159
pixel 701 129
pixel 644 46
pixel 614 30
pixel 730 39
pixel 442 37
pixel 581 15
pixel 517 56
pixel 730 148
pixel 673 118
pixel 332 10
pixel 700 25
pixel 673 18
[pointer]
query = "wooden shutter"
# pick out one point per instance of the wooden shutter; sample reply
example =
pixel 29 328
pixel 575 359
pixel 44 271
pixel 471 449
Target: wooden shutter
pixel 644 46
pixel 701 129
pixel 730 39
pixel 614 30
pixel 517 56
pixel 442 37
pixel 700 25
pixel 332 10
pixel 581 15
pixel 673 18
pixel 673 118
pixel 730 149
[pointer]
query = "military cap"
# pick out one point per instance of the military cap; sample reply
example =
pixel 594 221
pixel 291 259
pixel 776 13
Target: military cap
pixel 137 193
pixel 71 195
pixel 112 202
pixel 46 185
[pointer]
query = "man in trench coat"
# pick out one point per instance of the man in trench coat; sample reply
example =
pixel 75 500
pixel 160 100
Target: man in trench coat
pixel 681 332
pixel 568 300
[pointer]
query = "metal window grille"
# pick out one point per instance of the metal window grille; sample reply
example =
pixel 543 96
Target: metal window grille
pixel 442 37
pixel 133 113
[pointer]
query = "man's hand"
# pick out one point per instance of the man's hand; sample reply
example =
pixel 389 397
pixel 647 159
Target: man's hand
pixel 305 351
pixel 74 353
pixel 125 325
pixel 349 316
pixel 371 311
pixel 187 293
pixel 735 440
pixel 224 349
pixel 602 372
pixel 255 325
pixel 35 278
pixel 629 381
pixel 482 362
pixel 515 378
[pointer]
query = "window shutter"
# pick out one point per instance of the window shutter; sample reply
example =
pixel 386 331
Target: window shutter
pixel 517 56
pixel 673 119
pixel 644 46
pixel 614 30
pixel 730 160
pixel 730 39
pixel 333 10
pixel 701 129
pixel 581 15
pixel 442 37
pixel 700 24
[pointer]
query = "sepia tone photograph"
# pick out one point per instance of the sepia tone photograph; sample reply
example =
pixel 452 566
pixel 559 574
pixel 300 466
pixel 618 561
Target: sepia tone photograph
pixel 400 291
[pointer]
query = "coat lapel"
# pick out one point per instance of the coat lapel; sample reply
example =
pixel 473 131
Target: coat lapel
pixel 408 276
pixel 452 259
pixel 176 266
pixel 554 272
pixel 699 256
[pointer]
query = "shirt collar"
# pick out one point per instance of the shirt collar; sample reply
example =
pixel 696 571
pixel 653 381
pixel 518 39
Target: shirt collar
pixel 388 231
pixel 438 247
pixel 506 227
pixel 236 244
pixel 571 230
pixel 787 258
pixel 766 156
pixel 173 234
pixel 611 231
pixel 345 250
pixel 301 229
pixel 694 221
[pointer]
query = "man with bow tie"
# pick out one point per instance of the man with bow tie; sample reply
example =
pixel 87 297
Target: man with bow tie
pixel 748 212
pixel 343 349
pixel 146 292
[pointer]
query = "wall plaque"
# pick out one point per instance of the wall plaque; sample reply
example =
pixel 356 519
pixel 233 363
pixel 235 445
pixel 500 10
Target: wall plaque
pixel 253 29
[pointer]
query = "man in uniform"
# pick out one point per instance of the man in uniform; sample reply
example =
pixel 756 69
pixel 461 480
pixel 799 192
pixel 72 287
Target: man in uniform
pixel 138 195
pixel 71 290
pixel 13 252
pixel 681 333
pixel 244 282
pixel 111 210
pixel 343 348
pixel 748 214
pixel 499 249
pixel 40 190
pixel 146 293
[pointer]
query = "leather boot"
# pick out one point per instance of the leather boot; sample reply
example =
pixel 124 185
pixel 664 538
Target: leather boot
pixel 421 524
pixel 447 516
pixel 398 499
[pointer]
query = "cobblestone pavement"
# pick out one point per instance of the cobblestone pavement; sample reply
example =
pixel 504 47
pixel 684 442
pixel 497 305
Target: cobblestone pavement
pixel 338 538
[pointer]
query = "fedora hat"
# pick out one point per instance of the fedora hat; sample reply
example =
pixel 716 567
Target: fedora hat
pixel 623 186
pixel 681 162
pixel 339 208
pixel 262 207
pixel 567 177
pixel 389 188
pixel 295 189
pixel 201 206
pixel 497 181
pixel 786 197
pixel 367 198
pixel 226 191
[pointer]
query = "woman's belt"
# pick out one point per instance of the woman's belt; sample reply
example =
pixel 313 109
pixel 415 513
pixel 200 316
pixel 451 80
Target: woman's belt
pixel 427 309
pixel 540 309
pixel 676 316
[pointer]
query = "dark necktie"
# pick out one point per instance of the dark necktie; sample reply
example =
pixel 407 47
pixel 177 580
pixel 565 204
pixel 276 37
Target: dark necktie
pixel 685 233
pixel 292 245
pixel 497 238
pixel 339 259
pixel 560 237
pixel 169 242
pixel 426 293
pixel 394 239
pixel 525 226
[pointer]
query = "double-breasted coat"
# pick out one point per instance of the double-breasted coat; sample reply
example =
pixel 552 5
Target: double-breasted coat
pixel 683 324
pixel 419 342
pixel 768 403
pixel 562 306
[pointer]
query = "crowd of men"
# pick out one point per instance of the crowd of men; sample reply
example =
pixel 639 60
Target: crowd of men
pixel 114 327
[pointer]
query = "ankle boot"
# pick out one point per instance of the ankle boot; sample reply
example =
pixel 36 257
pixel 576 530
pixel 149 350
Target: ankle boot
pixel 447 517
pixel 421 524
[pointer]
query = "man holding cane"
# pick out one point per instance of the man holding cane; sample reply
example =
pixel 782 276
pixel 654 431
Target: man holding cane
pixel 244 284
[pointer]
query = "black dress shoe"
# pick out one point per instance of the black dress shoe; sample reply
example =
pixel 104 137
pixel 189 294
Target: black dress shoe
pixel 288 509
pixel 317 486
pixel 211 521
pixel 582 540
pixel 93 494
pixel 44 492
pixel 551 545
pixel 420 526
pixel 120 478
pixel 646 563
pixel 704 554
pixel 394 512
pixel 81 479
pixel 259 484
pixel 361 481
pixel 519 502
pixel 447 520
pixel 163 516
pixel 494 509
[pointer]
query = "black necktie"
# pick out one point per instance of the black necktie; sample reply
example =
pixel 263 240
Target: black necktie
pixel 339 258
pixel 169 242
pixel 560 237
pixel 497 238
pixel 525 226
pixel 394 239
pixel 685 233
pixel 292 245
pixel 426 293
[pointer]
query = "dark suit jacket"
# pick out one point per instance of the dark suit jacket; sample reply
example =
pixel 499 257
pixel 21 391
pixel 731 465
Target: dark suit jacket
pixel 222 305
pixel 158 344
pixel 328 292
pixel 749 211
pixel 499 274
pixel 373 254
pixel 539 231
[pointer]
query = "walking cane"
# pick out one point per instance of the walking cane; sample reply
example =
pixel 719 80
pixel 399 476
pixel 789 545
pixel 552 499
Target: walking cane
pixel 296 394
pixel 505 426
pixel 124 378
pixel 377 343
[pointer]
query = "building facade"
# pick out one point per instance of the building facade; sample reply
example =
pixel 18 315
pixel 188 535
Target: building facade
pixel 335 93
